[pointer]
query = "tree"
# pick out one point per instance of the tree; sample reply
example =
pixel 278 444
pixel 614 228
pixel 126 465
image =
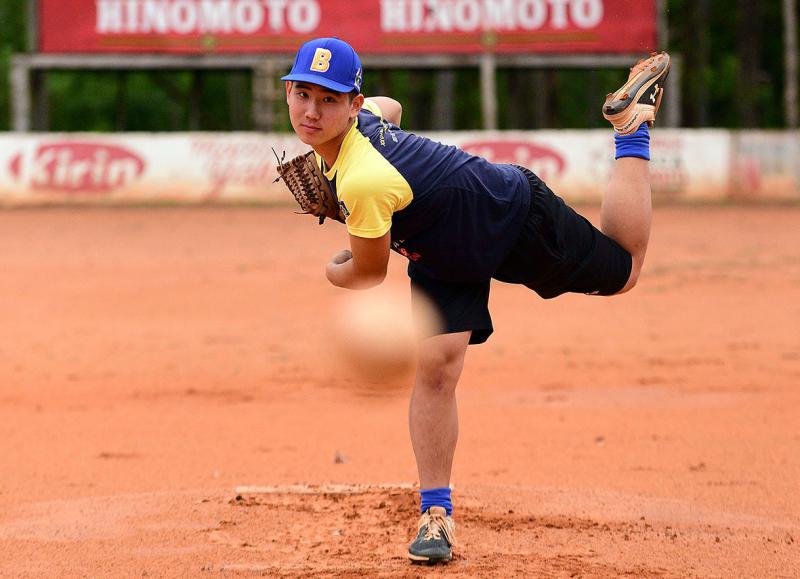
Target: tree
pixel 13 39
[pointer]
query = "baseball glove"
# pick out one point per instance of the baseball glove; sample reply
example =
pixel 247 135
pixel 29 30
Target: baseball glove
pixel 311 190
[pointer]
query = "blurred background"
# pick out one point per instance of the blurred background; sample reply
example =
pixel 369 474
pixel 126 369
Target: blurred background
pixel 212 67
pixel 733 77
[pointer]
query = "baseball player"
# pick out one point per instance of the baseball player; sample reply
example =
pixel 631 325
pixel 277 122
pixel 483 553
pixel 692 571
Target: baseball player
pixel 462 221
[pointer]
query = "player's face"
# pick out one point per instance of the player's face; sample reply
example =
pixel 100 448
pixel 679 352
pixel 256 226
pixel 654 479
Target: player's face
pixel 319 116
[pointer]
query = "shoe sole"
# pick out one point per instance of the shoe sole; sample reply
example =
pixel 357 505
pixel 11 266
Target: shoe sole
pixel 618 104
pixel 422 560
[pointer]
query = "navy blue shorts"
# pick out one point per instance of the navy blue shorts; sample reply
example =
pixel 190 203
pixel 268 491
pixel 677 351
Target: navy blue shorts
pixel 558 251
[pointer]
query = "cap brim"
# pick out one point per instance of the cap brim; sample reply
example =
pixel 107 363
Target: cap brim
pixel 319 80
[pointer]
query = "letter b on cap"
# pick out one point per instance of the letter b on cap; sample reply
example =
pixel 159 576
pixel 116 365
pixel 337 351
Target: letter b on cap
pixel 322 60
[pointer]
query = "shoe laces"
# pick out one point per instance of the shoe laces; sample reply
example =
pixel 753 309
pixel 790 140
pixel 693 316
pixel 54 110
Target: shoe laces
pixel 435 526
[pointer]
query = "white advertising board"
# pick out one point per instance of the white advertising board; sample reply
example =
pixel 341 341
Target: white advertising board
pixel 141 168
pixel 693 165
pixel 765 165
pixel 577 164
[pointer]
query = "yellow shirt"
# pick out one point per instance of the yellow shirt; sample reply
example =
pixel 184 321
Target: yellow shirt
pixel 369 188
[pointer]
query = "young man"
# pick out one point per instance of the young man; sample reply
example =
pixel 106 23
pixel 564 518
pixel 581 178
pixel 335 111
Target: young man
pixel 462 221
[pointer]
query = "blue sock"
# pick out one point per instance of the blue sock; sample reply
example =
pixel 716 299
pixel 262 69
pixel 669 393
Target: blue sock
pixel 436 498
pixel 634 145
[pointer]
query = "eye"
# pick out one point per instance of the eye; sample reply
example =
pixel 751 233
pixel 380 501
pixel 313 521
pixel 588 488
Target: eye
pixel 329 99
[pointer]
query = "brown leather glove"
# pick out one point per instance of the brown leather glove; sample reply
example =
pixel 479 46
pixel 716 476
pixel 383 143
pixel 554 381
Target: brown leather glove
pixel 312 191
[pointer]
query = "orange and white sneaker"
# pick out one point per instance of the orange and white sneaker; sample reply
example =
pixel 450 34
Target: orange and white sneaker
pixel 638 100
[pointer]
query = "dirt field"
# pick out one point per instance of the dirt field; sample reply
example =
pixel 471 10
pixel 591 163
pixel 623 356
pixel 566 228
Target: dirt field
pixel 153 361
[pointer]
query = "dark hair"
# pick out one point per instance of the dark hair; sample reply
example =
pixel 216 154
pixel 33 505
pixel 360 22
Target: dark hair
pixel 350 95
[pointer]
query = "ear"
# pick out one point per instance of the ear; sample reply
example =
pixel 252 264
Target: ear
pixel 355 106
pixel 288 90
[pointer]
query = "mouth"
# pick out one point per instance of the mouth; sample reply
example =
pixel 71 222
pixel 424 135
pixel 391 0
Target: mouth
pixel 310 128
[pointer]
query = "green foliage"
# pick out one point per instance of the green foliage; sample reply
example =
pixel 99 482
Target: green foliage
pixel 5 89
pixel 732 87
pixel 13 39
pixel 146 101
pixel 732 75
pixel 468 104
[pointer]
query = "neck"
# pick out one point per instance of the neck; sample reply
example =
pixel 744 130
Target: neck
pixel 330 151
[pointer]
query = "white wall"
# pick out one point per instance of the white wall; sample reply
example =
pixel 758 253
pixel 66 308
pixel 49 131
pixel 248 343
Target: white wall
pixel 687 165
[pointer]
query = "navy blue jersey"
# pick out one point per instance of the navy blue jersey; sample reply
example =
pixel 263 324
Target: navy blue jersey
pixel 454 215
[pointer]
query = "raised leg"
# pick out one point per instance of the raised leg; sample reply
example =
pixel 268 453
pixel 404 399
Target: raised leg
pixel 627 211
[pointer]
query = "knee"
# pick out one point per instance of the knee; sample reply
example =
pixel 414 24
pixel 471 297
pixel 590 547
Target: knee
pixel 440 379
pixel 439 367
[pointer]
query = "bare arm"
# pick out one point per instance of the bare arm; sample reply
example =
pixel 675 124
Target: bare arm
pixel 362 266
pixel 391 110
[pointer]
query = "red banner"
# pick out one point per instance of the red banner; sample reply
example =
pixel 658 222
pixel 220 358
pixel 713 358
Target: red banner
pixel 371 26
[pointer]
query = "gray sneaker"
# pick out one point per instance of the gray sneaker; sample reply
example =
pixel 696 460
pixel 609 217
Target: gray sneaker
pixel 639 99
pixel 435 538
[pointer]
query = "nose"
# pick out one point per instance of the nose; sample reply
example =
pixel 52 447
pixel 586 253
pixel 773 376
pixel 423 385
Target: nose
pixel 312 112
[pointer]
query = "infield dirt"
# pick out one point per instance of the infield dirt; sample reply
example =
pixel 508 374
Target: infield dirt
pixel 154 361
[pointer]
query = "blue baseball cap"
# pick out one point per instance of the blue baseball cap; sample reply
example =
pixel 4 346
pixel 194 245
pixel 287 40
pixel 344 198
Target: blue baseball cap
pixel 328 62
